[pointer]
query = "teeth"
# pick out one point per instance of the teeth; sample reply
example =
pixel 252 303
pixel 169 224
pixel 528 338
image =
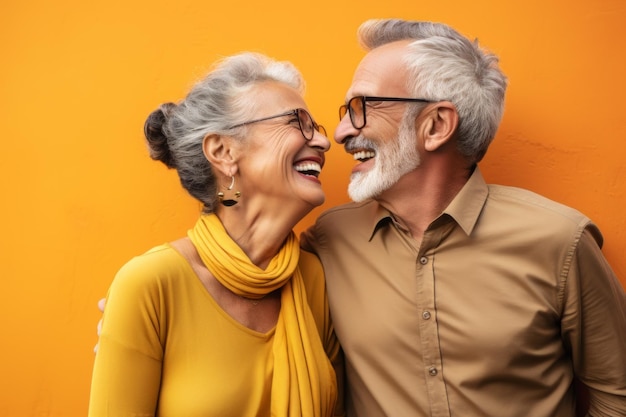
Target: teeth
pixel 308 167
pixel 363 155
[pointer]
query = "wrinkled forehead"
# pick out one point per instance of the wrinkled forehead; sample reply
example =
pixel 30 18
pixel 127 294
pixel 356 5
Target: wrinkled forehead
pixel 274 96
pixel 382 72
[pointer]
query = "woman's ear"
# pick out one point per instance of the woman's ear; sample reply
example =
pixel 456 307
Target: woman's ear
pixel 440 126
pixel 218 150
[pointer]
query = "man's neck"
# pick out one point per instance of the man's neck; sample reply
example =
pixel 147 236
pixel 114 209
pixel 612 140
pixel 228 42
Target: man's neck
pixel 418 198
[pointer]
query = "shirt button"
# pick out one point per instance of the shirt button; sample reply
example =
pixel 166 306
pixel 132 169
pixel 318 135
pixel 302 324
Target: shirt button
pixel 432 371
pixel 426 315
pixel 423 260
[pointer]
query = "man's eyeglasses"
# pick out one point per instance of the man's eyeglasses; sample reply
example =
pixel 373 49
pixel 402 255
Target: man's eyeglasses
pixel 356 107
pixel 305 122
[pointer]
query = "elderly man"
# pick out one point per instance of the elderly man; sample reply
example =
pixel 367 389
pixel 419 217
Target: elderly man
pixel 452 297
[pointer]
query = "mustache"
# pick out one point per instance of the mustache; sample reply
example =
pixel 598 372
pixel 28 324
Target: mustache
pixel 355 143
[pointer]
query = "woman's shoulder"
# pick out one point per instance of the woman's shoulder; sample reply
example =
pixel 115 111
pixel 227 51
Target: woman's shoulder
pixel 156 264
pixel 312 275
pixel 310 264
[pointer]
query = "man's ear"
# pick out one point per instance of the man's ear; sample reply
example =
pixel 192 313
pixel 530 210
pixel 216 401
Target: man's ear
pixel 218 150
pixel 441 123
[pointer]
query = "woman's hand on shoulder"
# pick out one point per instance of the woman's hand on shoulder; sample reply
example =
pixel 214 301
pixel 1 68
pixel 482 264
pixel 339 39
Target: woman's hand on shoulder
pixel 101 304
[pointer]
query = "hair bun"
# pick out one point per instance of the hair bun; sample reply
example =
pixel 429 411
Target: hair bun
pixel 157 140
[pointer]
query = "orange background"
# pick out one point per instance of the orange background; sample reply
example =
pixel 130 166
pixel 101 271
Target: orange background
pixel 80 195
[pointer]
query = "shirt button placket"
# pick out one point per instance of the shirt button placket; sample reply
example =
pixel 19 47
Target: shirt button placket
pixel 429 333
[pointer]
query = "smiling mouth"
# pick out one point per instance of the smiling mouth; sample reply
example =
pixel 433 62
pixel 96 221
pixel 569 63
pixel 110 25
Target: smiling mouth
pixel 363 155
pixel 312 169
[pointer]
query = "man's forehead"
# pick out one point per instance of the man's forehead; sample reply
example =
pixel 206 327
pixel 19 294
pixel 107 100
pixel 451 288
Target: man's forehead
pixel 382 70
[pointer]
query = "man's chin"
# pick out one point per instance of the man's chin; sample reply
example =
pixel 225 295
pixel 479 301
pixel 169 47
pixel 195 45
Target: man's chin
pixel 359 190
pixel 357 198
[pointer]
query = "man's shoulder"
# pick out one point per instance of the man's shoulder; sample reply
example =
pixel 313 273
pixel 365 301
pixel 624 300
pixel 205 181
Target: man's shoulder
pixel 531 200
pixel 349 210
pixel 340 222
pixel 528 206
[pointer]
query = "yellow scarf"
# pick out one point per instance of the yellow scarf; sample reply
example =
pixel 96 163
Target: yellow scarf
pixel 303 383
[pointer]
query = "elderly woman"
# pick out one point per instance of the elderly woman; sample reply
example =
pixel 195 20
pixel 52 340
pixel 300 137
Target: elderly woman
pixel 231 320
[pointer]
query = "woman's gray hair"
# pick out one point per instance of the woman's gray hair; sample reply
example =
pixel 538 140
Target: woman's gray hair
pixel 216 103
pixel 445 65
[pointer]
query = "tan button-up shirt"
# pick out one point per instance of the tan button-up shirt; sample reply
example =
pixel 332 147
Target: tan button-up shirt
pixel 507 298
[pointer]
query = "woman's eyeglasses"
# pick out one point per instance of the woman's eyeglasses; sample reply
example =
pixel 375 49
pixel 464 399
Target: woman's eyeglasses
pixel 305 122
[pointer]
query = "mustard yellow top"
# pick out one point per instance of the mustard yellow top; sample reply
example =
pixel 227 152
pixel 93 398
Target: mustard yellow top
pixel 168 349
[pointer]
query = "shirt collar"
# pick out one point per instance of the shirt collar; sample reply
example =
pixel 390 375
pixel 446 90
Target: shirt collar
pixel 380 216
pixel 465 208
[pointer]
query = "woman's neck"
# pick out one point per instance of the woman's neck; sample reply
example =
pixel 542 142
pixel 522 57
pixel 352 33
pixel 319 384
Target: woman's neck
pixel 259 233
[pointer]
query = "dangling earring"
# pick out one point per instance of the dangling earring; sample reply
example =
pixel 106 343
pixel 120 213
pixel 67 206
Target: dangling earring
pixel 228 202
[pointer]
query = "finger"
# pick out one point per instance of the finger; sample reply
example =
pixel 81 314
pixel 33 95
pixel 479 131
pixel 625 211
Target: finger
pixel 101 304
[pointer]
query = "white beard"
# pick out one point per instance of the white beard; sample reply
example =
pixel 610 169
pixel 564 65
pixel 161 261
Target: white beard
pixel 394 159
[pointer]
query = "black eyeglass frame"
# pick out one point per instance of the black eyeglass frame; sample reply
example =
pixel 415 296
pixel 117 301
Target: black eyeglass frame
pixel 316 127
pixel 347 108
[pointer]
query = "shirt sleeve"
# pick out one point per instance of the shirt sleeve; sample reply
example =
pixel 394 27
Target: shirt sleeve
pixel 594 326
pixel 307 239
pixel 127 368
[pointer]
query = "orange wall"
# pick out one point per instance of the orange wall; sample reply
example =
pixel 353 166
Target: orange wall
pixel 80 196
